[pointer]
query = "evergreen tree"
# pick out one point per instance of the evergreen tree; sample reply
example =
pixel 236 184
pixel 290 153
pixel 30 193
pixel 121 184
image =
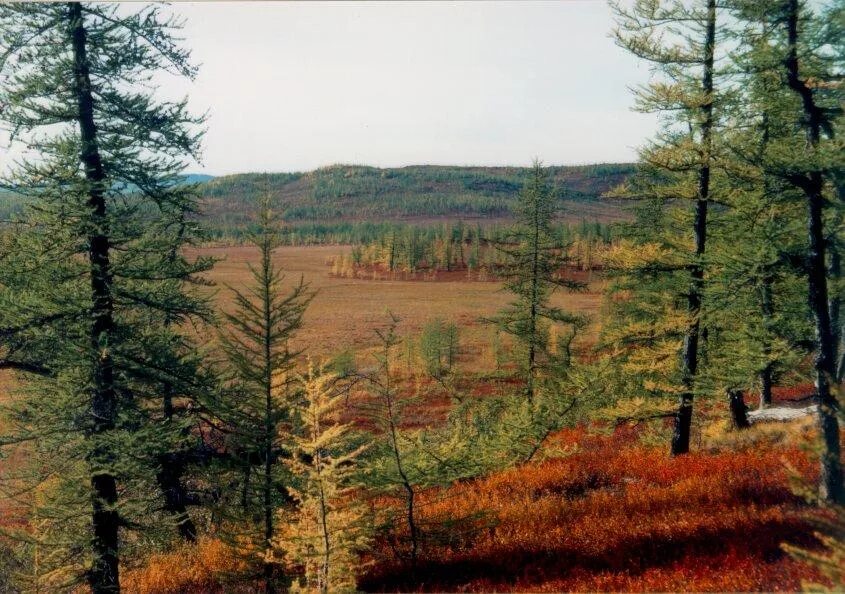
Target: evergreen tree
pixel 679 40
pixel 759 316
pixel 804 55
pixel 439 346
pixel 94 286
pixel 534 269
pixel 391 469
pixel 257 404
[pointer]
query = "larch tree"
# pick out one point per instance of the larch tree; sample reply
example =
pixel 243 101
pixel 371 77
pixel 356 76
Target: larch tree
pixel 534 269
pixel 679 40
pixel 804 53
pixel 759 316
pixel 330 525
pixel 256 404
pixel 93 283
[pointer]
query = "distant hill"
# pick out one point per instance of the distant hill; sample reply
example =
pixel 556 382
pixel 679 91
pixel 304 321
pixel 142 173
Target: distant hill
pixel 420 192
pixel 197 178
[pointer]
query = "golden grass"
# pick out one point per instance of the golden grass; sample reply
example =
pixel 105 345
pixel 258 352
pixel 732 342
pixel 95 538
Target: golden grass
pixel 346 311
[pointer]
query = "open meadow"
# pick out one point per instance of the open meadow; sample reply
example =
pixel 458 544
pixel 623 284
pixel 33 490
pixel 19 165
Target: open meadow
pixel 346 311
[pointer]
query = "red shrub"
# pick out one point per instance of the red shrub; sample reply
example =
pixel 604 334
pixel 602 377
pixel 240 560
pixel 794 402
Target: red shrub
pixel 617 516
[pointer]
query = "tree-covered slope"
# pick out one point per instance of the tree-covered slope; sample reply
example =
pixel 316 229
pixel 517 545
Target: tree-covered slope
pixel 354 192
pixel 350 193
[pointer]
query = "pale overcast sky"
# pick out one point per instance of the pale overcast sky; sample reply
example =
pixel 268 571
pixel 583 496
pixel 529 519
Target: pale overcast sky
pixel 294 86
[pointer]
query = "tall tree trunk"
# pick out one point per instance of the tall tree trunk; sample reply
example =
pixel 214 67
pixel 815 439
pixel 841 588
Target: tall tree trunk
pixel 171 464
pixel 767 305
pixel 103 576
pixel 834 269
pixel 169 478
pixel 269 421
pixel 739 411
pixel 535 298
pixel 683 416
pixel 812 184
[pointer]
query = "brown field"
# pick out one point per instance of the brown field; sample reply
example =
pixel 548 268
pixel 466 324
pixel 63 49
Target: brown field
pixel 345 312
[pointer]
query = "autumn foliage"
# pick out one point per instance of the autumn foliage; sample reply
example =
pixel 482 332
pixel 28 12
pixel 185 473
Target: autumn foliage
pixel 207 566
pixel 601 513
pixel 620 516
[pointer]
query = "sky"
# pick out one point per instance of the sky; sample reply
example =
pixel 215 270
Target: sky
pixel 292 86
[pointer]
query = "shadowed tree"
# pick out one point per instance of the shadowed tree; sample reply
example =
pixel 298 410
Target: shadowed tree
pixel 803 54
pixel 94 286
pixel 261 391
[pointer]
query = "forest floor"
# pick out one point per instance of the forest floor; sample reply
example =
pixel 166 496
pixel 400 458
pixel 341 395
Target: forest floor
pixel 597 511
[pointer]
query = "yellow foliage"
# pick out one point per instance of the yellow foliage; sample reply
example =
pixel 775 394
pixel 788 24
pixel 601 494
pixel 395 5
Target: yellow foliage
pixel 325 533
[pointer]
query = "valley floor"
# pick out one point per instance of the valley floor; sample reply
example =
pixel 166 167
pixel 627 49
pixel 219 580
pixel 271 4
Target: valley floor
pixel 595 510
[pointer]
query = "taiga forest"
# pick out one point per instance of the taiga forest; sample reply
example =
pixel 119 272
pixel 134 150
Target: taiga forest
pixel 420 372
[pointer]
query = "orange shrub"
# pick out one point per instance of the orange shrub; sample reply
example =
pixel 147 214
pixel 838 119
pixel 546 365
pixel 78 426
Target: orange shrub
pixel 190 569
pixel 616 516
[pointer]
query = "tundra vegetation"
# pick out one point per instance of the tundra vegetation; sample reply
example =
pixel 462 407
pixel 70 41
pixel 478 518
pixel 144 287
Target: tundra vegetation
pixel 584 424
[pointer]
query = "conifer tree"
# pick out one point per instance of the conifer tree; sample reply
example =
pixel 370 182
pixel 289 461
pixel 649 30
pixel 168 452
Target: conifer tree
pixel 329 527
pixel 257 404
pixel 439 346
pixel 679 40
pixel 534 269
pixel 804 54
pixel 93 280
pixel 759 317
pixel 391 470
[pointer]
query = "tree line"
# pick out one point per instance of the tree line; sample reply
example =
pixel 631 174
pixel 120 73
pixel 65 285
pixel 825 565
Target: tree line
pixel 462 247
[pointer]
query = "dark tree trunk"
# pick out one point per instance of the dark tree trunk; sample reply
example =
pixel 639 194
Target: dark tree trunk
pixel 835 271
pixel 169 477
pixel 768 371
pixel 683 416
pixel 245 488
pixel 269 420
pixel 534 314
pixel 103 575
pixel 739 411
pixel 812 184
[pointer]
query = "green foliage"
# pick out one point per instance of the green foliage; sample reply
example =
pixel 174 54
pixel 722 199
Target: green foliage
pixel 439 346
pixel 328 204
pixel 388 470
pixel 660 303
pixel 534 268
pixel 11 566
pixel 343 365
pixel 257 401
pixel 93 290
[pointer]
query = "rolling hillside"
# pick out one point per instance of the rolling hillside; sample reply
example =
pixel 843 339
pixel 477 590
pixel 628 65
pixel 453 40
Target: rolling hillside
pixel 424 192
pixel 419 193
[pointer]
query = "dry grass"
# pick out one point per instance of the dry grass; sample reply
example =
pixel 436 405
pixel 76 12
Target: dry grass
pixel 346 311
